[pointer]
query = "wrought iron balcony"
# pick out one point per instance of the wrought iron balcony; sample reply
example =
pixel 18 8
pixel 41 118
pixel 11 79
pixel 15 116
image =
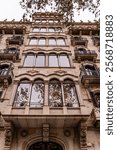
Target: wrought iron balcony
pixel 96 40
pixel 82 54
pixel 9 53
pixel 89 76
pixel 78 40
pixel 17 40
pixel 6 74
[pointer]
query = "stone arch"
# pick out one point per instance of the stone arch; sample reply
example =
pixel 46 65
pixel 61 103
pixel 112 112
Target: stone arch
pixel 32 140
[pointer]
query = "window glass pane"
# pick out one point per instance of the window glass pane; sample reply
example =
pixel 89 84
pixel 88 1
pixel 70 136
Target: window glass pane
pixel 70 94
pixel 52 41
pixel 43 21
pixel 51 30
pixel 55 95
pixel 33 41
pixel 42 41
pixel 64 61
pixel 37 20
pixel 29 60
pixel 35 30
pixel 50 21
pixel 37 96
pixel 53 60
pixel 22 95
pixel 40 60
pixel 43 30
pixel 60 41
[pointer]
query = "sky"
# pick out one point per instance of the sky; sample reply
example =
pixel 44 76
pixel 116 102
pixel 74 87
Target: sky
pixel 11 9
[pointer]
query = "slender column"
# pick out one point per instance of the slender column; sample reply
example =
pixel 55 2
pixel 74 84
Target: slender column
pixel 46 107
pixel 64 104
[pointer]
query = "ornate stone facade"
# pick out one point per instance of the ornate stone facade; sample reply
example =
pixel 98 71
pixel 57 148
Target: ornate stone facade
pixel 49 84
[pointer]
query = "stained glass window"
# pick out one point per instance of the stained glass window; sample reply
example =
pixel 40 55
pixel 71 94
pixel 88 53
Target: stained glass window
pixel 22 94
pixel 70 95
pixel 55 95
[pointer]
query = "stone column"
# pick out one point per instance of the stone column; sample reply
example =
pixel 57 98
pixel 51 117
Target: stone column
pixel 45 103
pixel 8 135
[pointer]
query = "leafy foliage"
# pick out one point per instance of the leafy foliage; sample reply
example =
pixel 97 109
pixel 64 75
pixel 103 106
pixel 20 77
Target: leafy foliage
pixel 66 7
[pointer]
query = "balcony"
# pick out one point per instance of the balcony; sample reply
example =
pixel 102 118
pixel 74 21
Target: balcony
pixel 96 40
pixel 10 54
pixel 6 74
pixel 78 40
pixel 16 40
pixel 82 54
pixel 89 76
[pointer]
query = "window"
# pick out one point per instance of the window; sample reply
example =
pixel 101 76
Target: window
pixel 70 95
pixel 42 41
pixel 40 60
pixel 51 30
pixel 58 29
pixel 28 93
pixel 43 30
pixel 33 41
pixel 60 41
pixel 44 21
pixel 37 95
pixel 55 94
pixel 22 94
pixel 29 60
pixel 35 30
pixel 64 61
pixel 51 41
pixel 50 21
pixel 96 98
pixel 53 60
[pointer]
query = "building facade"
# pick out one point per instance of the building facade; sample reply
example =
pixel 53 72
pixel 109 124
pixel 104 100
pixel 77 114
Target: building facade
pixel 49 84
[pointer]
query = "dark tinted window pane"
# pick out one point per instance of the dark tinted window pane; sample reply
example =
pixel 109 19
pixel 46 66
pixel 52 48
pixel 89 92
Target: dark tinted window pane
pixel 40 61
pixel 53 61
pixel 64 61
pixel 29 60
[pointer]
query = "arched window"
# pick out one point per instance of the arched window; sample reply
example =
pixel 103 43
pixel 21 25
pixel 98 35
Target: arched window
pixel 53 60
pixel 33 41
pixel 61 41
pixel 50 21
pixel 37 94
pixel 35 29
pixel 42 41
pixel 51 41
pixel 51 29
pixel 43 29
pixel 55 94
pixel 22 93
pixel 64 60
pixel 29 60
pixel 40 60
pixel 43 21
pixel 70 95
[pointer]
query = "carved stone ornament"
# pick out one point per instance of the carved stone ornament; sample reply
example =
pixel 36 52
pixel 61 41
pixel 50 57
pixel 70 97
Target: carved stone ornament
pixel 45 132
pixel 8 135
pixel 83 137
pixel 32 72
pixel 60 72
